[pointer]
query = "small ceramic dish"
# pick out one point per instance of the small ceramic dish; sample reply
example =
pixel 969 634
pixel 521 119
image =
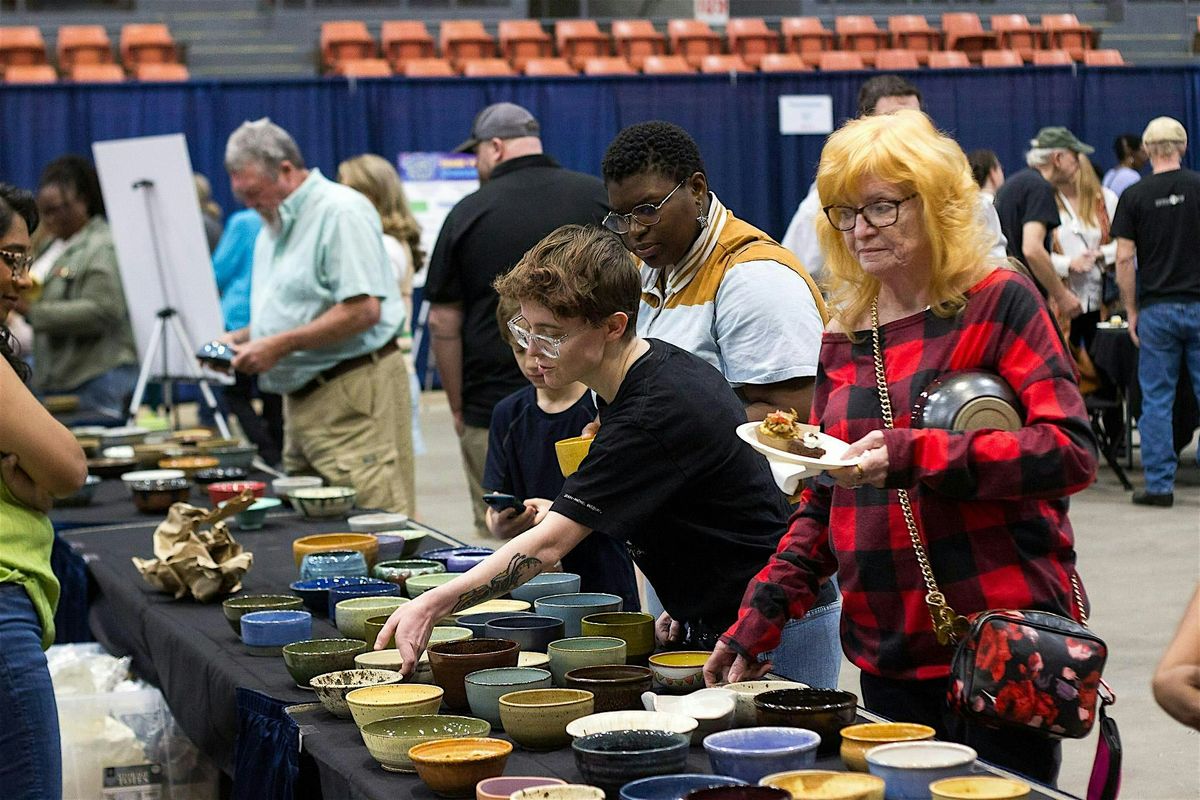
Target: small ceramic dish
pixel 452 767
pixel 711 708
pixel 323 501
pixel 254 517
pixel 979 787
pixel 679 671
pixel 545 585
pixel 751 753
pixel 375 523
pixel 332 687
pixel 631 721
pixel 907 768
pixel 819 784
pixel 614 758
pixel 370 703
pixel 537 719
pixel 266 632
pixel 858 739
pixel 389 740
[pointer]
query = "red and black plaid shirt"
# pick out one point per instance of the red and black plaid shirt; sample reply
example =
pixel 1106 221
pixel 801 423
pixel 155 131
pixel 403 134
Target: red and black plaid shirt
pixel 991 506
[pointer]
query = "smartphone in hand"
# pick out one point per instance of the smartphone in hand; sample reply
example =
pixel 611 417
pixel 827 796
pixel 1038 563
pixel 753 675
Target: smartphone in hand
pixel 500 501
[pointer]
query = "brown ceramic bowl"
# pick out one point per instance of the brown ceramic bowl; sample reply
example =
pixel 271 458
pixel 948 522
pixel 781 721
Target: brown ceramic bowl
pixel 453 661
pixel 152 497
pixel 452 767
pixel 617 687
pixel 825 711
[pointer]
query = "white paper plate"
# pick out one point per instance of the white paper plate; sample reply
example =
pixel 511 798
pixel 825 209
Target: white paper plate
pixel 834 448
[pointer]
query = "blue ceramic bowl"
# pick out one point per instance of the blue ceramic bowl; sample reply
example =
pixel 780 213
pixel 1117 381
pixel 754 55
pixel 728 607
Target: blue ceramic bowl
pixel 532 632
pixel 546 584
pixel 673 787
pixel 466 558
pixel 614 758
pixel 485 686
pixel 333 564
pixel 748 754
pixel 443 554
pixel 477 623
pixel 367 588
pixel 572 608
pixel 315 592
pixel 907 768
pixel 271 630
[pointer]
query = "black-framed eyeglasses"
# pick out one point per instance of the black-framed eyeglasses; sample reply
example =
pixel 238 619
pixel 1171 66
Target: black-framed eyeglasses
pixel 18 262
pixel 880 214
pixel 646 214
pixel 547 345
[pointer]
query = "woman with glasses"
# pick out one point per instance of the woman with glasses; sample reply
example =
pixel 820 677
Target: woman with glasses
pixel 83 342
pixel 39 459
pixel 724 290
pixel 910 280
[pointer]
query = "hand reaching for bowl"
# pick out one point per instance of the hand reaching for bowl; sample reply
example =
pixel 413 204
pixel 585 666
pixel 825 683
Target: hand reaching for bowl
pixel 727 665
pixel 411 624
pixel 870 453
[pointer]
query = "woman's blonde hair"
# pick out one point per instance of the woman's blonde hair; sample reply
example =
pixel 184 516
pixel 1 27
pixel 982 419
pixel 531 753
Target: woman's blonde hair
pixel 373 176
pixel 905 149
pixel 1087 192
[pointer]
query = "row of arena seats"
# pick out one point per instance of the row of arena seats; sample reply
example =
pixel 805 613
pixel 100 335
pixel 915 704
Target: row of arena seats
pixel 148 52
pixel 576 41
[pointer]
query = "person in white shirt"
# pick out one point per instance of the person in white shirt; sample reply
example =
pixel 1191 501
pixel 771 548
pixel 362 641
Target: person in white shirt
pixel 1083 248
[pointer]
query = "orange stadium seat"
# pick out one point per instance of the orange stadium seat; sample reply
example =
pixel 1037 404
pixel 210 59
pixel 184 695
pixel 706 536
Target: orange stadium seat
pixel 579 40
pixel 1103 58
pixel 716 64
pixel 22 45
pixel 365 68
pixel 896 58
pixel 806 37
pixel 30 73
pixel 154 71
pixel 403 40
pixel 149 43
pixel 840 60
pixel 608 65
pixel 949 59
pixel 549 67
pixel 693 40
pixel 97 73
pixel 341 40
pixel 858 33
pixel 965 32
pixel 636 38
pixel 783 62
pixel 750 38
pixel 463 39
pixel 83 44
pixel 1052 58
pixel 523 39
pixel 1013 32
pixel 428 68
pixel 912 32
pixel 487 68
pixel 1064 32
pixel 1002 58
pixel 667 65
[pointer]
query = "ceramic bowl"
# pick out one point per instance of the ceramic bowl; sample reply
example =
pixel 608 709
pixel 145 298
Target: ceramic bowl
pixel 240 456
pixel 266 632
pixel 190 464
pixel 217 442
pixel 190 436
pixel 568 791
pixel 144 475
pixel 528 658
pixel 332 687
pixel 374 523
pixel 584 651
pixel 529 631
pixel 148 454
pixel 152 497
pixel 370 703
pixel 389 740
pixel 825 711
pixel 486 686
pixel 333 564
pixel 673 787
pixel 81 496
pixel 572 608
pixel 744 693
pixel 617 687
pixel 227 490
pixel 631 721
pixel 127 434
pixel 323 501
pixel 979 787
pixel 306 660
pixel 388 658
pixel 373 626
pixel 477 623
pixel 511 606
pixel 235 607
pixel 283 487
pixel 711 708
pixel 110 467
pixel 907 768
pixel 218 474
pixel 738 793
pixel 571 453
pixel 537 719
pixel 90 445
pixel 635 627
pixel 466 558
pixel 419 584
pixel 365 588
pixel 452 767
pixel 614 758
pixel 858 739
pixel 502 788
pixel 352 614
pixel 545 585
pixel 814 784
pixel 400 544
pixel 453 661
pixel 750 753
pixel 254 517
pixel 364 543
pixel 315 591
pixel 679 671
pixel 398 572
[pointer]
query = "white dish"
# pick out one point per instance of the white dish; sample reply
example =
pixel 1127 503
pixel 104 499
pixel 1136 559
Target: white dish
pixel 711 708
pixel 834 448
pixel 377 523
pixel 120 451
pixel 631 720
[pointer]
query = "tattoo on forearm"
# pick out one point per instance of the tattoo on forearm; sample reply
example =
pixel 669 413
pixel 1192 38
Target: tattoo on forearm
pixel 520 569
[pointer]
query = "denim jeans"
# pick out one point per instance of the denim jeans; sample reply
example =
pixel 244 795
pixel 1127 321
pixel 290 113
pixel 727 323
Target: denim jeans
pixel 108 394
pixel 810 650
pixel 32 765
pixel 1168 333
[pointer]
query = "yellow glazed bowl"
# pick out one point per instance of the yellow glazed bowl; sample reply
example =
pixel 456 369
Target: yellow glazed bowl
pixel 537 719
pixel 858 739
pixel 680 671
pixel 394 700
pixel 815 784
pixel 979 787
pixel 571 453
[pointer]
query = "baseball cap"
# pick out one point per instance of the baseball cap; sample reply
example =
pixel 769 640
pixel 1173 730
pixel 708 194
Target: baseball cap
pixel 500 121
pixel 1061 138
pixel 1164 129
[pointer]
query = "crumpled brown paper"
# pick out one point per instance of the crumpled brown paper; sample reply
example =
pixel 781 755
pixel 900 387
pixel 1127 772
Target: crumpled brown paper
pixel 206 564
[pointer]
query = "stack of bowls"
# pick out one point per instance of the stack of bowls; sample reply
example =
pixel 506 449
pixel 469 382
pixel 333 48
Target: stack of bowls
pixel 545 585
pixel 320 502
pixel 584 651
pixel 825 711
pixel 389 740
pixel 537 719
pixel 306 660
pixel 453 661
pixel 332 687
pixel 572 608
pixel 371 703
pixel 265 633
pixel 635 627
pixel 452 767
pixel 333 564
pixel 235 607
pixel 486 686
pixel 752 753
pixel 530 631
pixel 614 758
pixel 617 687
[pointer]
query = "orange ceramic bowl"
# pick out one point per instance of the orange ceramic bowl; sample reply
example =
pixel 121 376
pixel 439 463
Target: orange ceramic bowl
pixel 452 767
pixel 364 543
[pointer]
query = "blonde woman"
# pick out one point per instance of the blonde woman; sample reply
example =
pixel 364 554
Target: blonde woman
pixel 1083 247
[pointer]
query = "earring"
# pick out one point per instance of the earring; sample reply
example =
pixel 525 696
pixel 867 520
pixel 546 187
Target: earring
pixel 702 218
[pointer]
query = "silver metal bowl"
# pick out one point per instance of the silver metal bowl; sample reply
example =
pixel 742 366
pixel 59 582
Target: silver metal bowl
pixel 968 400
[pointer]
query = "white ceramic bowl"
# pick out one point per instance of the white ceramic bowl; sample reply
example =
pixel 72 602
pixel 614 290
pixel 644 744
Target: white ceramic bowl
pixel 711 708
pixel 631 720
pixel 323 501
pixel 283 487
pixel 375 523
pixel 907 768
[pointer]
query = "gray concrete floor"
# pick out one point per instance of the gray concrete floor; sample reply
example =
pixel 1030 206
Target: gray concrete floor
pixel 1140 566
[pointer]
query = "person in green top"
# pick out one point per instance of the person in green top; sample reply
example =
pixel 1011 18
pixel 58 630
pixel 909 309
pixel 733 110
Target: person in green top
pixel 39 460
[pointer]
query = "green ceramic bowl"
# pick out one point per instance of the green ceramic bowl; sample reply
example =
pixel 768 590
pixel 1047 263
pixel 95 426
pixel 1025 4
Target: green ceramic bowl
pixel 235 607
pixel 583 651
pixel 353 614
pixel 635 627
pixel 389 740
pixel 417 584
pixel 305 660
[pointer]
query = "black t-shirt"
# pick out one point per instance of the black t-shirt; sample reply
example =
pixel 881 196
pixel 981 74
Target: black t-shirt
pixel 1161 215
pixel 1025 197
pixel 668 474
pixel 521 461
pixel 484 236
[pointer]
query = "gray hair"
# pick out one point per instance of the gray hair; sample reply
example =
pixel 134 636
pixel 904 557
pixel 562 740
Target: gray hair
pixel 1039 156
pixel 264 143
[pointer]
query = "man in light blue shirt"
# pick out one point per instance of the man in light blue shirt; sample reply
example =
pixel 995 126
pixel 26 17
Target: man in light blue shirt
pixel 324 315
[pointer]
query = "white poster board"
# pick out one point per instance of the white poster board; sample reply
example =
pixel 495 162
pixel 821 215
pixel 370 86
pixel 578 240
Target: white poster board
pixel 714 12
pixel 155 216
pixel 801 114
pixel 433 184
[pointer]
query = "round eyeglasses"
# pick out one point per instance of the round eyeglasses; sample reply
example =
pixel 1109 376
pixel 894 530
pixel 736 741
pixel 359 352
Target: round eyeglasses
pixel 880 214
pixel 646 214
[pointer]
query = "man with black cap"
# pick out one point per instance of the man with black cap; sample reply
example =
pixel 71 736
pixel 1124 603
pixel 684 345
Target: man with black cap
pixel 1028 212
pixel 523 196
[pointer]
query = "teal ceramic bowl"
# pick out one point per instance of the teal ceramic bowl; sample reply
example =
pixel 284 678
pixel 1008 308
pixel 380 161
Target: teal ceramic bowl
pixel 305 660
pixel 572 608
pixel 583 651
pixel 253 518
pixel 389 740
pixel 485 686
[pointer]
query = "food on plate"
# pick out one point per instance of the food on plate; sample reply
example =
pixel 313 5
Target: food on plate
pixel 782 431
pixel 1115 319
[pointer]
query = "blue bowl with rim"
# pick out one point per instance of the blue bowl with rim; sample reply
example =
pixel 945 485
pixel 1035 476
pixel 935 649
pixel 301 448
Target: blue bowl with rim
pixel 365 587
pixel 266 632
pixel 533 632
pixel 466 558
pixel 443 554
pixel 477 623
pixel 315 591
pixel 749 754
pixel 673 787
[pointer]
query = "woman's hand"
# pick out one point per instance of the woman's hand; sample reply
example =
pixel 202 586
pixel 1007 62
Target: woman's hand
pixel 666 630
pixel 872 463
pixel 22 486
pixel 1085 261
pixel 411 624
pixel 727 665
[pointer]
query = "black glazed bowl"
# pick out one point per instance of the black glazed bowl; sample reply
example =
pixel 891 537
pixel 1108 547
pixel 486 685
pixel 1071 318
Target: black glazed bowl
pixel 612 759
pixel 153 497
pixel 825 711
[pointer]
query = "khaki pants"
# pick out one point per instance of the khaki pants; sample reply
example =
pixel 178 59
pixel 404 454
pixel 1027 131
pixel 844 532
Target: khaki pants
pixel 356 430
pixel 474 444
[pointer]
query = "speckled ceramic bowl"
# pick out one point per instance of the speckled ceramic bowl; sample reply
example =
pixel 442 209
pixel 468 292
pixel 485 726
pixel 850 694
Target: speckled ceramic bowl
pixel 370 703
pixel 332 687
pixel 389 740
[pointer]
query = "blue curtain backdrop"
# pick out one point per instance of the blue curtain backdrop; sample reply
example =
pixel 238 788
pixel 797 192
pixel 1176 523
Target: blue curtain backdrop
pixel 759 173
